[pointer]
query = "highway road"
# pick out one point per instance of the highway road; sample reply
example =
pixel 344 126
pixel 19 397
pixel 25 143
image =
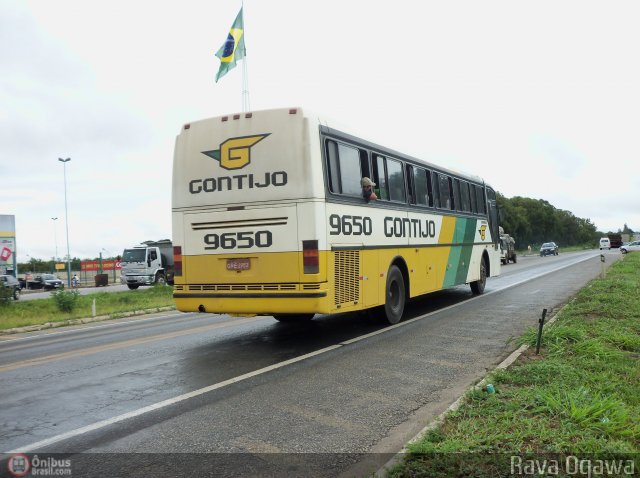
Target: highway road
pixel 251 396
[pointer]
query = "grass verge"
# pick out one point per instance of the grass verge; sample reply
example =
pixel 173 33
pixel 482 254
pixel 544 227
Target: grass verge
pixel 40 311
pixel 576 405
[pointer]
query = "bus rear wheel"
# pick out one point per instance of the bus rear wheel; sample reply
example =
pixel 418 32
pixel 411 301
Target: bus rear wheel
pixel 477 287
pixel 395 295
pixel 132 286
pixel 287 318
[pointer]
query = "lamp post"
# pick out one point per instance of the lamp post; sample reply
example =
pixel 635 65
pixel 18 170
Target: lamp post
pixel 113 263
pixel 32 273
pixel 66 219
pixel 55 238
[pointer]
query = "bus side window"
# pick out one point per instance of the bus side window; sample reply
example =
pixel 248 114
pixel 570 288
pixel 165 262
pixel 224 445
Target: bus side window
pixel 345 169
pixel 333 166
pixel 396 180
pixel 472 198
pixel 464 196
pixel 446 195
pixel 380 177
pixel 422 186
pixel 364 164
pixel 455 187
pixel 411 186
pixel 430 191
pixel 482 204
pixel 436 189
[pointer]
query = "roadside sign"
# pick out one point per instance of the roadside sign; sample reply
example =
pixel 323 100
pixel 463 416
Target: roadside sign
pixel 107 265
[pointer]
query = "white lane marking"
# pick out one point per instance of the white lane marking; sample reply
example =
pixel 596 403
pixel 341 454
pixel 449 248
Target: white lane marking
pixel 219 385
pixel 165 403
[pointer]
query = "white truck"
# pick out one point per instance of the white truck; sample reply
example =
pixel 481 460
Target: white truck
pixel 147 264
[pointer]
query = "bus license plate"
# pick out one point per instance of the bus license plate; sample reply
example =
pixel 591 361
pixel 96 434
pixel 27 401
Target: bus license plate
pixel 238 264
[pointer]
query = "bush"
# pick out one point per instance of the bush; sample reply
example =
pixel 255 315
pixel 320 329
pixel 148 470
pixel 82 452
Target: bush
pixel 6 294
pixel 66 300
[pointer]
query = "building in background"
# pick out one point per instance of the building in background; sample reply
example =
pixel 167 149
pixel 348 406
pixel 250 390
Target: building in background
pixel 8 260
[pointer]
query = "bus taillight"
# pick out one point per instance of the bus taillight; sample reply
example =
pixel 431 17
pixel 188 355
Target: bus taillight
pixel 177 260
pixel 310 257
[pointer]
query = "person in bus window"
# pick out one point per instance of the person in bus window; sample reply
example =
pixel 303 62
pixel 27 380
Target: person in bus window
pixel 367 189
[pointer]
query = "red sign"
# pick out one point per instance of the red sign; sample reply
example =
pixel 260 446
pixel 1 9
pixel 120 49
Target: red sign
pixel 94 266
pixel 5 254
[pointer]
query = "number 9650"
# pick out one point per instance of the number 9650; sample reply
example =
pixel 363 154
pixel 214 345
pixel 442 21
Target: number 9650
pixel 350 225
pixel 238 240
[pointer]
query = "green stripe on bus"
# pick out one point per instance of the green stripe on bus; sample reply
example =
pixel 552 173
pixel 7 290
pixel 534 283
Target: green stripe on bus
pixel 464 233
pixel 465 255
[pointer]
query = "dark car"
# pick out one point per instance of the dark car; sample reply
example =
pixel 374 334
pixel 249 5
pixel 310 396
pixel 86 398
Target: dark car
pixel 12 282
pixel 549 249
pixel 48 282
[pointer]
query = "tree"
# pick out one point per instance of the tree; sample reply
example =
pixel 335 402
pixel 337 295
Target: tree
pixel 534 221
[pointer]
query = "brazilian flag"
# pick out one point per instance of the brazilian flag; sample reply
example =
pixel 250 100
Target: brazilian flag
pixel 233 49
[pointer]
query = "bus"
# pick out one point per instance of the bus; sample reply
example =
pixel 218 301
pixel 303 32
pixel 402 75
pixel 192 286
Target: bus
pixel 269 218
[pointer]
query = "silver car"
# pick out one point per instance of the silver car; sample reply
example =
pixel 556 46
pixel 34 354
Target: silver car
pixel 632 246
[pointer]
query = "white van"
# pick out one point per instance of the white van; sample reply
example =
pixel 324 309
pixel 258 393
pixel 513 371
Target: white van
pixel 605 243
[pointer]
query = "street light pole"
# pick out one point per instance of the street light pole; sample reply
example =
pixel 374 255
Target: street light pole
pixel 26 276
pixel 55 237
pixel 66 219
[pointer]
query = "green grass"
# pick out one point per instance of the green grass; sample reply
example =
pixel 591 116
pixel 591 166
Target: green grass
pixel 40 311
pixel 579 397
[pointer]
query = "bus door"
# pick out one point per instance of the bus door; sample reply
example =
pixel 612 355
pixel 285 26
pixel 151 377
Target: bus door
pixel 493 216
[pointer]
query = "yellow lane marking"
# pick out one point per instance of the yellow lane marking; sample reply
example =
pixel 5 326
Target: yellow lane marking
pixel 119 345
pixel 89 331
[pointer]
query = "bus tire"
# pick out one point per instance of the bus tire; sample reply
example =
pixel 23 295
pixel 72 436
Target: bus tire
pixel 288 318
pixel 477 287
pixel 395 295
pixel 132 286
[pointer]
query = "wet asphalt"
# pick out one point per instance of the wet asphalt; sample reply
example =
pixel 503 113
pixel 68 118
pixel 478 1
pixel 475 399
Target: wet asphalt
pixel 357 402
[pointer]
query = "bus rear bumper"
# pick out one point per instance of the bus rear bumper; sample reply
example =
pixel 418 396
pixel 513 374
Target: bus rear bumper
pixel 253 303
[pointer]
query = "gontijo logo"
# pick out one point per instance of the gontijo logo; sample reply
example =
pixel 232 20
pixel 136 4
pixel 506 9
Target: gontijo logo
pixel 483 231
pixel 235 153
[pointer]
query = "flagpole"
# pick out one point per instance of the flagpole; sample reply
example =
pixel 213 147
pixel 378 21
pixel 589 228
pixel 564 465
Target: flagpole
pixel 245 76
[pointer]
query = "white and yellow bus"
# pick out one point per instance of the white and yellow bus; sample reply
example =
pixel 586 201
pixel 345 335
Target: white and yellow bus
pixel 269 219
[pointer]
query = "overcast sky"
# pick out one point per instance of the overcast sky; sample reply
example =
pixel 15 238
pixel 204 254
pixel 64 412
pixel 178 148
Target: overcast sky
pixel 540 98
